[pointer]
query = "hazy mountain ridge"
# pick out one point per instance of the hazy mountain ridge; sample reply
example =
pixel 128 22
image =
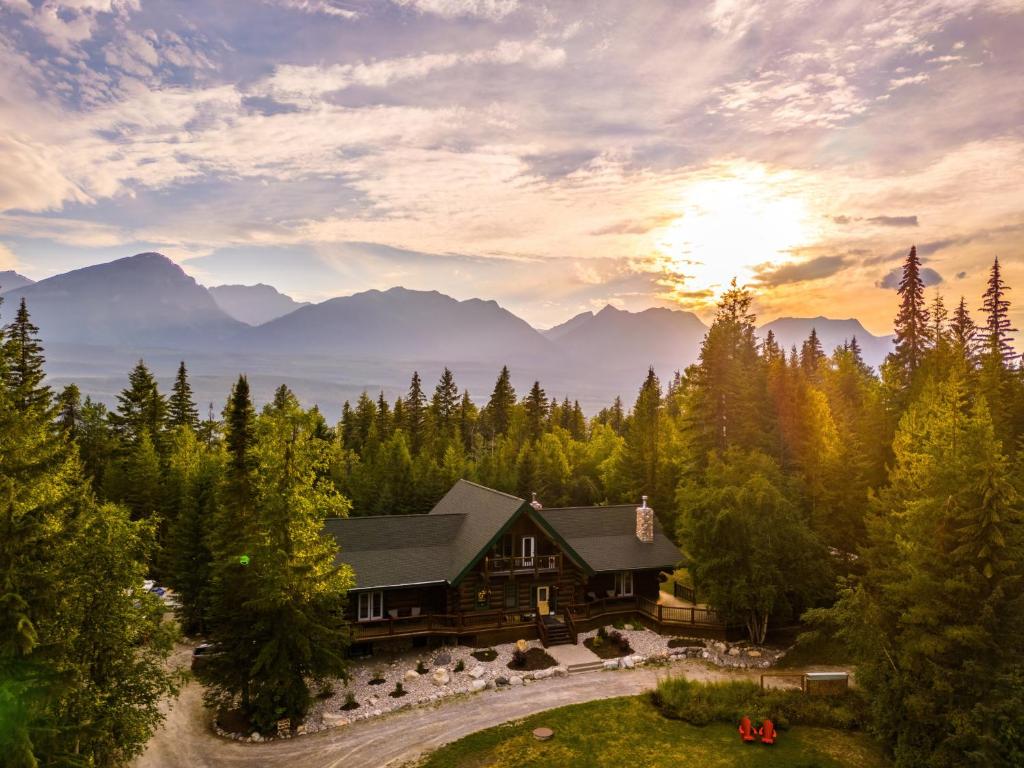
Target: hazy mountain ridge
pixel 11 281
pixel 254 304
pixel 793 331
pixel 96 321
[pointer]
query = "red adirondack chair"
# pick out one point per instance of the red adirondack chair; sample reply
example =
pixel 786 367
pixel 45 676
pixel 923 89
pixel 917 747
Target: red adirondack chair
pixel 746 730
pixel 767 732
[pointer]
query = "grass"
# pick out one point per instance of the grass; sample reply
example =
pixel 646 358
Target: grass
pixel 631 731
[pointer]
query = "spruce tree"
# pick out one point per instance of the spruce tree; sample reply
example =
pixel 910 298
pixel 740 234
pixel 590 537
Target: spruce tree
pixel 181 409
pixel 444 407
pixel 415 414
pixel 641 462
pixel 911 325
pixel 69 412
pixel 811 354
pixel 384 418
pixel 963 331
pixel 140 408
pixel 501 405
pixel 536 406
pixel 997 330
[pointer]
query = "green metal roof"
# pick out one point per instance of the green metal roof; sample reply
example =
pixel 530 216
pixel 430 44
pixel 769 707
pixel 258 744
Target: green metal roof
pixel 605 537
pixel 440 547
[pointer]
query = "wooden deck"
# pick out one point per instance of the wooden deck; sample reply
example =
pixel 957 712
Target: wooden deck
pixel 666 618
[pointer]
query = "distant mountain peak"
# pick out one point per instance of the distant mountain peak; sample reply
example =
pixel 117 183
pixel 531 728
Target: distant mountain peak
pixel 11 281
pixel 254 304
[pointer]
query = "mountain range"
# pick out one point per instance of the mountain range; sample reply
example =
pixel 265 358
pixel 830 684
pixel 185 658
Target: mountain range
pixel 97 321
pixel 9 280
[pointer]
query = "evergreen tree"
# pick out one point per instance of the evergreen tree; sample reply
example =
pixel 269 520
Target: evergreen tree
pixel 996 334
pixel 24 367
pixel 501 405
pixel 444 408
pixel 811 354
pixel 140 408
pixel 383 417
pixel 912 329
pixel 641 463
pixel 415 414
pixel 69 412
pixel 535 405
pixel 143 492
pixel 181 409
pixel 468 417
pixel 963 331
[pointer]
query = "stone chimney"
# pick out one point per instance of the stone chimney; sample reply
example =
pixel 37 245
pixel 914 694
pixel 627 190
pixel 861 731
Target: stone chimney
pixel 536 504
pixel 645 523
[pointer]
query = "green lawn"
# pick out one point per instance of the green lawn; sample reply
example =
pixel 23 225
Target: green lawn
pixel 630 732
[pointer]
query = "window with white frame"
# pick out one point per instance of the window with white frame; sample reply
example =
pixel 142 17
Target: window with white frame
pixel 624 584
pixel 371 605
pixel 528 550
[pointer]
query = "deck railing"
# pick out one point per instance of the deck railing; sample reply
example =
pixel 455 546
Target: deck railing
pixel 475 621
pixel 683 592
pixel 532 564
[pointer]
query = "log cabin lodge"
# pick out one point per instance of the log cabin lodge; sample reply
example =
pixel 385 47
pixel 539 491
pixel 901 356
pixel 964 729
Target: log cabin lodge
pixel 484 567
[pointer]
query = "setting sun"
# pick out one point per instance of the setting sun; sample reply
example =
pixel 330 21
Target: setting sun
pixel 732 223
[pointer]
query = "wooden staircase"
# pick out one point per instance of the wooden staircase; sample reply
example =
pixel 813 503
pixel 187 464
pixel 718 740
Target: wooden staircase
pixel 555 632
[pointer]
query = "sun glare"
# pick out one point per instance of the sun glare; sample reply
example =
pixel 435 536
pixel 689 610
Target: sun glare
pixel 729 225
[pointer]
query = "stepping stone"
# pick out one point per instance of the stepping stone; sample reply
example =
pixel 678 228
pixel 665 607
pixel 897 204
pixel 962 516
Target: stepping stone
pixel 542 734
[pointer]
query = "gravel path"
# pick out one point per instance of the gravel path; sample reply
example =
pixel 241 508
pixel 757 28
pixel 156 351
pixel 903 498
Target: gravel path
pixel 186 740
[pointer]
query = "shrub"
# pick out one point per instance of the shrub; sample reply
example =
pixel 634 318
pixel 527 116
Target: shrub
pixel 350 702
pixel 702 703
pixel 325 692
pixel 377 676
pixel 602 632
pixel 531 660
pixel 460 665
pixel 399 691
pixel 421 668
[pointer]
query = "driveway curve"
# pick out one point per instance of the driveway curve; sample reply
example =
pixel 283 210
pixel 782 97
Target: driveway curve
pixel 186 740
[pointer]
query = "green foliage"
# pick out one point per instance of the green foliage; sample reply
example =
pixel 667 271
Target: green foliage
pixel 700 703
pixel 753 556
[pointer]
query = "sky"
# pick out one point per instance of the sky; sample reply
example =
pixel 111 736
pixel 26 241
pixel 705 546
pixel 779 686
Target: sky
pixel 553 156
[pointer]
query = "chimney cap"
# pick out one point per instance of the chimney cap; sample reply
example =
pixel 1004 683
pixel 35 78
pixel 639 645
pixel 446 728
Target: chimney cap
pixel 536 504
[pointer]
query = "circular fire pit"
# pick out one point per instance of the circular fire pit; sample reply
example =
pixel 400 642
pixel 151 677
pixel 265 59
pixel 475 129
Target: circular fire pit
pixel 542 734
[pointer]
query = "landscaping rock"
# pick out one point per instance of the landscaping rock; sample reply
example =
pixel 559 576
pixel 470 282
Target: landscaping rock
pixel 441 677
pixel 334 719
pixel 543 674
pixel 611 664
pixel 560 671
pixel 477 672
pixel 442 659
pixel 734 651
pixel 256 738
pixel 626 662
pixel 478 685
pixel 521 645
pixel 639 660
pixel 500 681
pixel 411 674
pixel 515 680
pixel 720 647
pixel 754 654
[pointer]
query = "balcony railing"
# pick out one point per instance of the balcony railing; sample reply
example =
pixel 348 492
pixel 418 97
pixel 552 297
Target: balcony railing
pixel 532 564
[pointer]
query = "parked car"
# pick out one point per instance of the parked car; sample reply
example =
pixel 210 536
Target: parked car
pixel 201 655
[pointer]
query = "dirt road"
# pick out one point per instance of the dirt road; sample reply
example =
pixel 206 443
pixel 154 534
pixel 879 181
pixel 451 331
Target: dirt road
pixel 186 741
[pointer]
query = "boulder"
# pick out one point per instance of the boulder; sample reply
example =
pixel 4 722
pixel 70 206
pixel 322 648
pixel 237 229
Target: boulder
pixel 720 647
pixel 478 685
pixel 477 672
pixel 411 674
pixel 611 664
pixel 626 662
pixel 515 680
pixel 522 645
pixel 441 677
pixel 754 654
pixel 256 738
pixel 560 671
pixel 500 681
pixel 543 674
pixel 333 719
pixel 639 659
pixel 734 651
pixel 442 659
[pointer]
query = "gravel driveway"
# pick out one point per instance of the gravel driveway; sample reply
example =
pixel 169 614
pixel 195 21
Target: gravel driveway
pixel 186 741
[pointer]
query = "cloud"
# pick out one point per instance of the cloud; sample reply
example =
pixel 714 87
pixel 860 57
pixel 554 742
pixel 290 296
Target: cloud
pixel 322 7
pixel 892 280
pixel 797 272
pixel 493 10
pixel 882 221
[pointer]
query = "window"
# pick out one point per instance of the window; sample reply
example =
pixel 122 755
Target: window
pixel 511 595
pixel 529 549
pixel 371 605
pixel 624 583
pixel 506 547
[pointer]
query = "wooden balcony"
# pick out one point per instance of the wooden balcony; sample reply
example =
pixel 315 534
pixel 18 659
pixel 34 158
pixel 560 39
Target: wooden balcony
pixel 668 616
pixel 495 566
